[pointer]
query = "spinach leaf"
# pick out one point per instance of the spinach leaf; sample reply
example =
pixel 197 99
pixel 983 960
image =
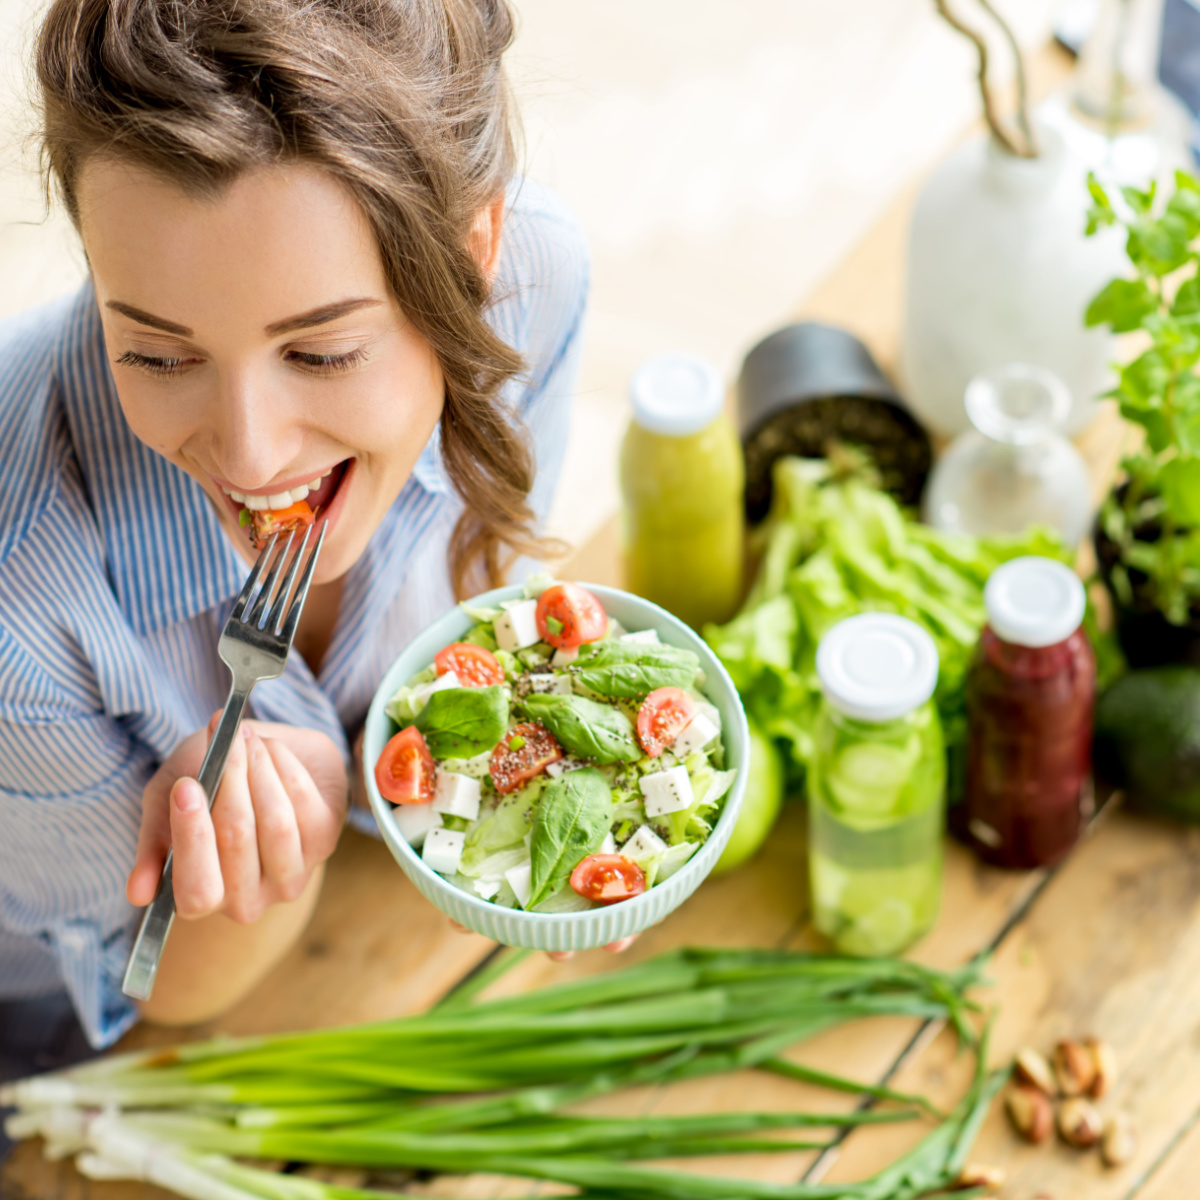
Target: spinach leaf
pixel 630 670
pixel 463 722
pixel 586 727
pixel 572 818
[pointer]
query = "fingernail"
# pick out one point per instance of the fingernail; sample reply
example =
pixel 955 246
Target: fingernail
pixel 187 796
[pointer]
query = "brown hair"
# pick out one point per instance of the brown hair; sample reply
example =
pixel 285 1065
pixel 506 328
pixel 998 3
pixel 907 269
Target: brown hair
pixel 404 101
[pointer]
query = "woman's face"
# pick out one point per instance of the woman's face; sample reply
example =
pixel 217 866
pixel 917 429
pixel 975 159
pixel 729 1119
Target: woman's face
pixel 255 343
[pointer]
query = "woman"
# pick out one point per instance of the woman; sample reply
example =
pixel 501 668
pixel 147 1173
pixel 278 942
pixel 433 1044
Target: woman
pixel 311 273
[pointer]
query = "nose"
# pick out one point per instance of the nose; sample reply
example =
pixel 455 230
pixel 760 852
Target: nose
pixel 254 437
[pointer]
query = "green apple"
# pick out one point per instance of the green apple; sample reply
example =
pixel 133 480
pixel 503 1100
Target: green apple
pixel 764 795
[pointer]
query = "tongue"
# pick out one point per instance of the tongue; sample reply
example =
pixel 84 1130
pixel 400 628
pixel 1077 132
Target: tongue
pixel 320 499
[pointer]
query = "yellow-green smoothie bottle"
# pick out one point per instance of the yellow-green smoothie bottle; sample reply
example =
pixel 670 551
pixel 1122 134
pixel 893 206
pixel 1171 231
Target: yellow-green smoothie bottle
pixel 682 479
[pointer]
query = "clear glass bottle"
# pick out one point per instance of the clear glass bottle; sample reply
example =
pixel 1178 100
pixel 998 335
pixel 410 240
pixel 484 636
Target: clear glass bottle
pixel 877 786
pixel 1030 695
pixel 1015 469
pixel 682 482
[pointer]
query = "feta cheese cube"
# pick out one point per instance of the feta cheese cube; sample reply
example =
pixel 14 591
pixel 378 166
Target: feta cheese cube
pixel 648 636
pixel 443 850
pixel 666 791
pixel 516 627
pixel 564 658
pixel 486 888
pixel 695 735
pixel 609 845
pixel 557 769
pixel 456 795
pixel 415 820
pixel 644 843
pixel 549 685
pixel 520 879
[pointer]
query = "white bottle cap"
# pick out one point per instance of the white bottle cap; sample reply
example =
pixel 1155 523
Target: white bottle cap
pixel 1034 602
pixel 877 666
pixel 676 394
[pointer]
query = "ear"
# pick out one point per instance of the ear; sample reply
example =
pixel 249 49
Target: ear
pixel 484 241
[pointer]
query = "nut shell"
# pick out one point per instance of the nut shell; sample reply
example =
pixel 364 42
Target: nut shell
pixel 975 1175
pixel 1079 1124
pixel 1104 1064
pixel 1119 1143
pixel 1074 1067
pixel 1030 1112
pixel 1033 1069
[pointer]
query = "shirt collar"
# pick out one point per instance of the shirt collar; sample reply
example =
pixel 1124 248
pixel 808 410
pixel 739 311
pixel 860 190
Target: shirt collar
pixel 168 557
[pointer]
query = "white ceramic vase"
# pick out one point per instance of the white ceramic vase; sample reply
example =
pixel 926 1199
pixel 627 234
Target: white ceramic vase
pixel 999 271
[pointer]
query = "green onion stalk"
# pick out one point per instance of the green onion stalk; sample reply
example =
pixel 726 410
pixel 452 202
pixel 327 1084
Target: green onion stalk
pixel 489 1085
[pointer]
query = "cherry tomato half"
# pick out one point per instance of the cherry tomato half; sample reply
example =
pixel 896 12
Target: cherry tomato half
pixel 664 714
pixel 264 522
pixel 569 615
pixel 474 666
pixel 608 878
pixel 405 770
pixel 525 751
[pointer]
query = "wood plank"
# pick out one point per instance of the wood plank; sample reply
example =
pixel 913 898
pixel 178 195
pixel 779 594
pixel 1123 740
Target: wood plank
pixel 1110 949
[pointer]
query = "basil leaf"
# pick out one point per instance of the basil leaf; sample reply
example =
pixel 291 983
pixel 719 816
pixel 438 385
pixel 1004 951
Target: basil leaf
pixel 463 722
pixel 573 816
pixel 586 727
pixel 631 669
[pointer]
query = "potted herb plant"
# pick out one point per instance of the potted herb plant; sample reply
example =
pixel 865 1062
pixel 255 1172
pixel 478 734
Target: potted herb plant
pixel 1148 530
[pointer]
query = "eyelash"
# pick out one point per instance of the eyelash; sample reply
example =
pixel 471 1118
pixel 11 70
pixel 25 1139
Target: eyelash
pixel 318 364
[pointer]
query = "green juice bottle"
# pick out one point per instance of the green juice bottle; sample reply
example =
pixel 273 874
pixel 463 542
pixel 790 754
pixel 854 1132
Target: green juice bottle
pixel 876 786
pixel 682 480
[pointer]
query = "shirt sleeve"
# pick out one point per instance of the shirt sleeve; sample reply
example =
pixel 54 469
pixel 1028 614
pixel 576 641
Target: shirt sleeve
pixel 70 787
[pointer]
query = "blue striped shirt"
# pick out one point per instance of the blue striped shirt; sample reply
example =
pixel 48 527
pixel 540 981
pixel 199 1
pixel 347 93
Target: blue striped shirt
pixel 115 581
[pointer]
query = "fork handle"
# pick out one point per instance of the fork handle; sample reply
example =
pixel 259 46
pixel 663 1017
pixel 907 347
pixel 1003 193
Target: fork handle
pixel 160 914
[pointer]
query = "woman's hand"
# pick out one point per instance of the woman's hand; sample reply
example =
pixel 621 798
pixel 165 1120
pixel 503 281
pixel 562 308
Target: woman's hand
pixel 277 817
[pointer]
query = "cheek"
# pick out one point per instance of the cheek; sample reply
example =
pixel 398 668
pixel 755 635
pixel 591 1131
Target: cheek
pixel 398 414
pixel 163 422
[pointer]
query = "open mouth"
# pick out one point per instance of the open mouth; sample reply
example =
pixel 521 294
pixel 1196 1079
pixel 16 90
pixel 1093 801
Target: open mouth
pixel 295 508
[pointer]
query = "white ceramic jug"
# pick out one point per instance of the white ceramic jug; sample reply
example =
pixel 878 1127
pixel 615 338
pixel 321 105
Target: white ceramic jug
pixel 999 271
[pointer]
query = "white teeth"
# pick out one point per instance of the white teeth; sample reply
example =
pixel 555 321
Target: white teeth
pixel 257 503
pixel 280 500
pixel 299 493
pixel 238 496
pixel 312 487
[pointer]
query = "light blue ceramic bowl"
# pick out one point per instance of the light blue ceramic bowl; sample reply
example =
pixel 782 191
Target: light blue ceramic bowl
pixel 561 931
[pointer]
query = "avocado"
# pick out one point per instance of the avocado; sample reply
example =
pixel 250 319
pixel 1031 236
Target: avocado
pixel 1148 740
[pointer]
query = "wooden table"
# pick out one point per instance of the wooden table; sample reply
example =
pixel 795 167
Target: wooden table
pixel 1107 944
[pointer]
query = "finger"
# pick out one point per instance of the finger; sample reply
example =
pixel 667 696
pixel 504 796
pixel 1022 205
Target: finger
pixel 318 823
pixel 154 839
pixel 279 848
pixel 199 889
pixel 237 838
pixel 620 946
pixel 560 955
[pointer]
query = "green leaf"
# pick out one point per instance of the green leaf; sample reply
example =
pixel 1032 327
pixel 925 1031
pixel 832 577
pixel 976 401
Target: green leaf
pixel 630 670
pixel 1187 299
pixel 1180 484
pixel 1158 247
pixel 245 517
pixel 586 727
pixel 1121 303
pixel 1101 213
pixel 1141 202
pixel 463 722
pixel 572 818
pixel 1186 205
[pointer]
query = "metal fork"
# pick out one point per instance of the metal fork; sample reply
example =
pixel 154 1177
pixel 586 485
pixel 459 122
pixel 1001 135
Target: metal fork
pixel 253 648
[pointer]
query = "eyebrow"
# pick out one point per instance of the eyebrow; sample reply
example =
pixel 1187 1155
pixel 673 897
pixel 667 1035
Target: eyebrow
pixel 315 316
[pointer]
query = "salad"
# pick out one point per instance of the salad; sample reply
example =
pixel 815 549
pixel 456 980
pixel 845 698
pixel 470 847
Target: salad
pixel 552 760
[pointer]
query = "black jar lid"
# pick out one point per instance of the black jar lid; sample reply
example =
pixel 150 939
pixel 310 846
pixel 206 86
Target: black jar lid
pixel 809 385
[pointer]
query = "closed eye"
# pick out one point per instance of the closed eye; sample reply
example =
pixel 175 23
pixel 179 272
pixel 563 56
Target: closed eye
pixel 327 364
pixel 154 366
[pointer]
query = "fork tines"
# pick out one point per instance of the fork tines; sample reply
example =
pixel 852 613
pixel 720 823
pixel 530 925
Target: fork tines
pixel 274 592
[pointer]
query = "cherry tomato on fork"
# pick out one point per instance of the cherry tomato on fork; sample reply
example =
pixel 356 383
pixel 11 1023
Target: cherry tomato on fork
pixel 608 878
pixel 405 773
pixel 473 665
pixel 569 615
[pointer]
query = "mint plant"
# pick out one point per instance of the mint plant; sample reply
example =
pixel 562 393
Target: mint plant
pixel 1152 521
